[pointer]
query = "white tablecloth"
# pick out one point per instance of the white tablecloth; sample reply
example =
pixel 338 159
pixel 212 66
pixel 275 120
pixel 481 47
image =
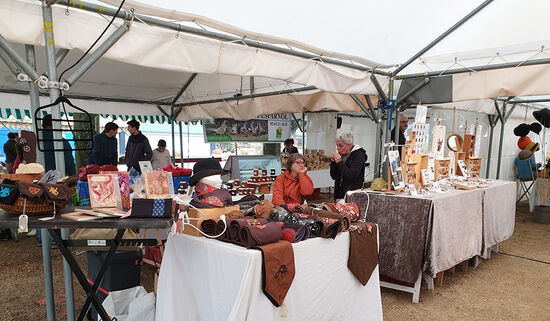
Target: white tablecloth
pixel 204 279
pixel 499 214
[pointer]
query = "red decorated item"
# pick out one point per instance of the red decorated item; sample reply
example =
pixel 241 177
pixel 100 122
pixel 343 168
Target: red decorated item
pixel 84 171
pixel 350 210
pixel 108 168
pixel 289 235
pixel 178 171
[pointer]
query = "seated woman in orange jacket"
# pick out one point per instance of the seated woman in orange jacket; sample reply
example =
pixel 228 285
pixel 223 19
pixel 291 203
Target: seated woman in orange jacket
pixel 294 183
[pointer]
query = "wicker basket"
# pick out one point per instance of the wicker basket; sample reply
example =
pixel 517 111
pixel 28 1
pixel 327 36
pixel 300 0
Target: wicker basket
pixel 31 208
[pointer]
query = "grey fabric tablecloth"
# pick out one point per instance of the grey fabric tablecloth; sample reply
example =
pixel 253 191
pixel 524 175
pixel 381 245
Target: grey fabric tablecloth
pixel 499 213
pixel 432 234
pixel 402 225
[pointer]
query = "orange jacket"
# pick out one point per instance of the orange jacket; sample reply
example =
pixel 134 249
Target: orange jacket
pixel 288 189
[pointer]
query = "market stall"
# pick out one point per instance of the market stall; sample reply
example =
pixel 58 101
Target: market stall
pixel 193 283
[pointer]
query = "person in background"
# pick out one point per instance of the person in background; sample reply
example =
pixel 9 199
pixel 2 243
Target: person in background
pixel 161 155
pixel 104 151
pixel 348 165
pixel 138 148
pixel 49 156
pixel 10 149
pixel 292 185
pixel 289 147
pixel 403 125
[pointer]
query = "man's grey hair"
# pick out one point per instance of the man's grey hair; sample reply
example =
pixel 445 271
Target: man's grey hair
pixel 345 136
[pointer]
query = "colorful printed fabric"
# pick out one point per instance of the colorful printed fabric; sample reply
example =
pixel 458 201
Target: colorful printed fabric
pixel 350 210
pixel 8 194
pixel 83 193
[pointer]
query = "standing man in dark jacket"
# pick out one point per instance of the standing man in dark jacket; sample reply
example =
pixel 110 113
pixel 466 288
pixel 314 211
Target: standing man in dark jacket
pixel 104 151
pixel 348 165
pixel 10 149
pixel 138 148
pixel 403 125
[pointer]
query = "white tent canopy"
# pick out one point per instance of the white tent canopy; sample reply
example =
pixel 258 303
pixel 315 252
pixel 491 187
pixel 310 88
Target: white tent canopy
pixel 149 65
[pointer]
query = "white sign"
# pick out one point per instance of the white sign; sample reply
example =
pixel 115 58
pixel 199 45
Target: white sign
pixel 421 112
pixel 438 141
pixel 145 166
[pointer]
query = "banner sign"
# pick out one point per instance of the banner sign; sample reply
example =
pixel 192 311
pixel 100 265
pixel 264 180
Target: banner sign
pixel 267 128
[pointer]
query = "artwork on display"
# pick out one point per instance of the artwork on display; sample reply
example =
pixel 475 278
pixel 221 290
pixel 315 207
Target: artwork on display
pixel 421 112
pixel 145 166
pixel 452 167
pixel 419 131
pixel 276 127
pixel 463 168
pixel 157 184
pixel 396 171
pixel 412 190
pixel 477 146
pixel 438 141
pixel 427 177
pixel 104 190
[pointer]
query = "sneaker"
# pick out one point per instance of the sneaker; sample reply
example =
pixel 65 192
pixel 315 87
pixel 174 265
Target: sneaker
pixel 31 232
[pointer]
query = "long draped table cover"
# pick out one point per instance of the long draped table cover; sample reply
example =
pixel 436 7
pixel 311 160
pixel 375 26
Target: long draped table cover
pixel 205 279
pixel 432 234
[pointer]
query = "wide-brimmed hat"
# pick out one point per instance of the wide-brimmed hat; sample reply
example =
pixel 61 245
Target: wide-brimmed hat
pixel 206 167
pixel 543 116
pixel 522 130
pixel 525 154
pixel 535 128
pixel 523 142
pixel 533 146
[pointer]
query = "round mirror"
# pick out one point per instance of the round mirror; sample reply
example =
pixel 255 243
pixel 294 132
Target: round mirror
pixel 455 142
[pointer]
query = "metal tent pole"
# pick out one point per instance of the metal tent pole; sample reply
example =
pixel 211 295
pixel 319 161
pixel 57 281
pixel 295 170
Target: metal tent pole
pixel 172 124
pixel 15 70
pixel 395 137
pixel 18 60
pixel 503 119
pixel 442 36
pixel 54 92
pixel 181 143
pixel 34 96
pixel 68 278
pixel 48 280
pixel 492 123
pixel 378 136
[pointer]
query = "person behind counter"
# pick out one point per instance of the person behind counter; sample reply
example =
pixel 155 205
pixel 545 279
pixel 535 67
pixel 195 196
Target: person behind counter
pixel 289 147
pixel 292 185
pixel 347 168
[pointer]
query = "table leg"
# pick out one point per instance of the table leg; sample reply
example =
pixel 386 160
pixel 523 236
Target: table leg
pixel 90 290
pixel 429 281
pixel 48 280
pixel 417 284
pixel 68 277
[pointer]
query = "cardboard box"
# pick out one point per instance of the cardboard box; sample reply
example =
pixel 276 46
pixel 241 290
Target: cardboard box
pixel 211 214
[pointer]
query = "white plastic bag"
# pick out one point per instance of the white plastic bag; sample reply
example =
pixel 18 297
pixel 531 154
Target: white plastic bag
pixel 133 304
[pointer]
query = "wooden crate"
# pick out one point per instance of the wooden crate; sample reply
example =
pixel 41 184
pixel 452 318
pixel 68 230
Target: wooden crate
pixel 474 166
pixel 442 168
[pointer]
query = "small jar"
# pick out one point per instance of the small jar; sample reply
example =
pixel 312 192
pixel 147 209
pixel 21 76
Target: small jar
pixel 264 172
pixel 273 178
pixel 237 182
pixel 272 171
pixel 256 172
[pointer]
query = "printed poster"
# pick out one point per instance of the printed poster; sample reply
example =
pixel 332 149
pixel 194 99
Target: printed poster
pixel 267 128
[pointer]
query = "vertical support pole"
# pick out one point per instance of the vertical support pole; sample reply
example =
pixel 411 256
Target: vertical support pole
pixel 502 123
pixel 68 278
pixel 377 149
pixel 181 143
pixel 304 133
pixel 54 93
pixel 34 96
pixel 172 121
pixel 395 138
pixel 492 123
pixel 387 129
pixel 48 280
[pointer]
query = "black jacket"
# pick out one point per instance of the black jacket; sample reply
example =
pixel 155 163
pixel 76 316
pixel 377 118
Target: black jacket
pixel 137 149
pixel 349 175
pixel 401 139
pixel 104 152
pixel 10 149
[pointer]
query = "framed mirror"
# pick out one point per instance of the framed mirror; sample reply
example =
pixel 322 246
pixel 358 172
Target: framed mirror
pixel 455 142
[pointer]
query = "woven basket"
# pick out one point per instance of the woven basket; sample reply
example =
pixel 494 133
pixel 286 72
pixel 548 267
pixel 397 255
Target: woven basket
pixel 31 208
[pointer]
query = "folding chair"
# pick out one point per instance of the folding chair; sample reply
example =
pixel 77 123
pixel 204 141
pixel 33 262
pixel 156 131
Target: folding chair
pixel 526 173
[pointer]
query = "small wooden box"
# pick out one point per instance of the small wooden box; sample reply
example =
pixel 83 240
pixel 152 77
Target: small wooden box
pixel 442 168
pixel 474 166
pixel 459 156
pixel 210 213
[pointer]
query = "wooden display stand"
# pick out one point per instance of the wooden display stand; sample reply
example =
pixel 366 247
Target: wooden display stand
pixel 459 156
pixel 412 173
pixel 469 145
pixel 442 168
pixel 474 166
pixel 421 161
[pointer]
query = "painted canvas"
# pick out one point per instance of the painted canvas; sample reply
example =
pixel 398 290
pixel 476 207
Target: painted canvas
pixel 157 184
pixel 103 189
pixel 396 172
pixel 438 141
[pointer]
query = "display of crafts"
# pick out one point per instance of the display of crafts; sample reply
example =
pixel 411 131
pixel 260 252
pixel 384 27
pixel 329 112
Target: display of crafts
pixel 102 190
pixel 157 184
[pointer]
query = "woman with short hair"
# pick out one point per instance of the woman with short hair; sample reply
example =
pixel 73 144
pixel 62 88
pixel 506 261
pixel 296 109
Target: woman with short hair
pixel 292 185
pixel 348 165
